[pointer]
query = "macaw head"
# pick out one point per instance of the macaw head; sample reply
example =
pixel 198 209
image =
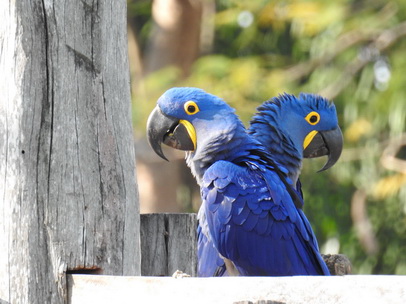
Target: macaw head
pixel 186 117
pixel 309 122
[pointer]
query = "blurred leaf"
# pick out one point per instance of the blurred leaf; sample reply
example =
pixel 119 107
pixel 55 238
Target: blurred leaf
pixel 389 186
pixel 357 129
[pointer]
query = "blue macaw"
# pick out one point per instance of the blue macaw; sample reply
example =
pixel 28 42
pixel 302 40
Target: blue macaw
pixel 293 127
pixel 253 214
pixel 290 128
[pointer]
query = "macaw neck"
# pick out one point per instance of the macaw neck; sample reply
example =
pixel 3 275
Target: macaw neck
pixel 283 149
pixel 220 140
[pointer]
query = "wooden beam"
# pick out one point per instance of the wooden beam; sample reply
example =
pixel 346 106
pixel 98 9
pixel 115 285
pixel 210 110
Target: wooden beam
pixel 287 290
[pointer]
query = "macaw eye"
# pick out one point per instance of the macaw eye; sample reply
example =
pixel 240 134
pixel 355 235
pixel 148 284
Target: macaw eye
pixel 313 118
pixel 191 107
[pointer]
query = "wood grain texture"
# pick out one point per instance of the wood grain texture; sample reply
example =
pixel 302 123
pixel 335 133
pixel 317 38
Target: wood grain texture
pixel 168 243
pixel 154 254
pixel 68 191
pixel 182 243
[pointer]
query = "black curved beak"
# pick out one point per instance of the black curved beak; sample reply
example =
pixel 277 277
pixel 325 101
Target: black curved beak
pixel 328 143
pixel 162 128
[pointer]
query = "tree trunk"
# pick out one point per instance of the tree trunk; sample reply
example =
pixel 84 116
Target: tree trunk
pixel 175 36
pixel 69 201
pixel 174 41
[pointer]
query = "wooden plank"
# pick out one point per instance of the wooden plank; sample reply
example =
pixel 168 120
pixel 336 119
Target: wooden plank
pixel 154 255
pixel 287 290
pixel 168 243
pixel 68 192
pixel 182 243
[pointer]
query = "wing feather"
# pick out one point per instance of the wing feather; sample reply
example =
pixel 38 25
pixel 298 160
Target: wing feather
pixel 256 224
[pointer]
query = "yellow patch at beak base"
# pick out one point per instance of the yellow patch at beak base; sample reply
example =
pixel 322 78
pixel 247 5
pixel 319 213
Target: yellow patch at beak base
pixel 308 139
pixel 190 130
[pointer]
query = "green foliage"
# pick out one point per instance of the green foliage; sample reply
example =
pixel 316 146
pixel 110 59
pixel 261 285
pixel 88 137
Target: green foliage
pixel 263 48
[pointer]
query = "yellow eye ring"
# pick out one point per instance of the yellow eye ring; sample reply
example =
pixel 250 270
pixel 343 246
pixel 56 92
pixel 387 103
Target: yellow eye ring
pixel 191 107
pixel 313 118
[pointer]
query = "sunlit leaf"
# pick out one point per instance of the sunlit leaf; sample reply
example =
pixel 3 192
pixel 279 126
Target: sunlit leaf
pixel 357 129
pixel 389 186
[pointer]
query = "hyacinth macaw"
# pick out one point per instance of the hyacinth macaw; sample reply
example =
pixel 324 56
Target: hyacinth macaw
pixel 293 127
pixel 253 215
pixel 290 128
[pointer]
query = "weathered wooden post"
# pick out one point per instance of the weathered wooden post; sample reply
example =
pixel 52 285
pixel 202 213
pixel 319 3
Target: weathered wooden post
pixel 68 197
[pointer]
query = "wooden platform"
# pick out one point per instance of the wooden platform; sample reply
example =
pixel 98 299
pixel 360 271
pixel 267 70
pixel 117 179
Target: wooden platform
pixel 264 290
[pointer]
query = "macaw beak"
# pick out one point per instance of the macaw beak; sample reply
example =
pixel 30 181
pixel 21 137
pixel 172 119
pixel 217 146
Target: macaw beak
pixel 328 143
pixel 176 133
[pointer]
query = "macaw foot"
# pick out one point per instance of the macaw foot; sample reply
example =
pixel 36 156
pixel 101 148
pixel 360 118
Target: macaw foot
pixel 338 264
pixel 231 269
pixel 180 274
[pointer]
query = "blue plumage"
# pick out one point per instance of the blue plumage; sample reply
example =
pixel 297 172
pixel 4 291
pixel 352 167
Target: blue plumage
pixel 250 212
pixel 260 241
